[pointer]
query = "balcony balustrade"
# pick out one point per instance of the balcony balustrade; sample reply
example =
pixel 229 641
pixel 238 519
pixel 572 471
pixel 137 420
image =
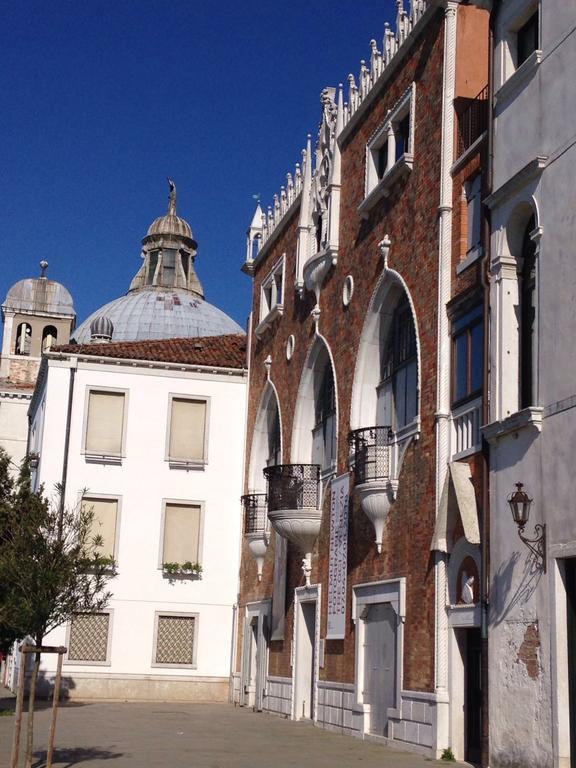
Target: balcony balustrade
pixel 466 422
pixel 472 121
pixel 293 501
pixel 371 451
pixel 256 528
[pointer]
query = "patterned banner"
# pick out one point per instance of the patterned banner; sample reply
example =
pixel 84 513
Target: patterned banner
pixel 338 558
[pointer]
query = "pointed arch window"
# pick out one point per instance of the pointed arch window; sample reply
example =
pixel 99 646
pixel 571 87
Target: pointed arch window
pixel 398 387
pixel 324 430
pixel 528 318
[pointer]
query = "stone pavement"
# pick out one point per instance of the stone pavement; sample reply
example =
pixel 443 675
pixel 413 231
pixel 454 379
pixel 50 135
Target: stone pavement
pixel 167 735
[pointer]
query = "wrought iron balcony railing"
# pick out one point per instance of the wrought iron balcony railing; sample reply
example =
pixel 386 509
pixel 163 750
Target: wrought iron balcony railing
pixel 472 121
pixel 292 486
pixel 255 517
pixel 370 453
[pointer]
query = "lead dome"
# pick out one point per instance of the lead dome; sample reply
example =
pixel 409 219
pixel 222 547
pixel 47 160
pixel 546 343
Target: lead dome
pixel 165 299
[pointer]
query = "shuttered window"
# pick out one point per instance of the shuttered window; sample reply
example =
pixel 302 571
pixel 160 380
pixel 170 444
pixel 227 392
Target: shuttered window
pixel 104 521
pixel 187 430
pixel 105 423
pixel 181 533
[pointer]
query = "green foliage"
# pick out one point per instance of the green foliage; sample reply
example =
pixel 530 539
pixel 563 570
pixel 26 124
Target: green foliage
pixel 50 565
pixel 448 755
pixel 185 568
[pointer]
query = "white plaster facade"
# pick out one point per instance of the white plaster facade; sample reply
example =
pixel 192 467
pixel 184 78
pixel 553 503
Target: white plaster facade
pixel 142 480
pixel 533 176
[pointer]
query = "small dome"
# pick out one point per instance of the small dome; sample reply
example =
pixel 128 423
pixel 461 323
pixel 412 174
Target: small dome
pixel 159 313
pixel 171 225
pixel 37 294
pixel 101 328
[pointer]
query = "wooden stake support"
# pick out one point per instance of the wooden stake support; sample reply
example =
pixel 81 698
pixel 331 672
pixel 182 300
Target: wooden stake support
pixel 25 649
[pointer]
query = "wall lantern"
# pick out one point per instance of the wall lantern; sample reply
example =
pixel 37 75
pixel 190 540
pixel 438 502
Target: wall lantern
pixel 520 504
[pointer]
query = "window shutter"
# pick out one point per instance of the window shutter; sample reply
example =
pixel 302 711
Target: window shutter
pixel 103 523
pixel 105 423
pixel 187 427
pixel 181 533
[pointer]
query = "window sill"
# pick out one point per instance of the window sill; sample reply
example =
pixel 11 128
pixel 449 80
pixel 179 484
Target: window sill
pixel 528 418
pixel 401 168
pixel 278 311
pixel 99 458
pixel 181 575
pixel 518 78
pixel 157 665
pixel 186 465
pixel 471 258
pixel 75 663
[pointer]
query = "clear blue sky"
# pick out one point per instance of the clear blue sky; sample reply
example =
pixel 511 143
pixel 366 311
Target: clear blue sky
pixel 101 100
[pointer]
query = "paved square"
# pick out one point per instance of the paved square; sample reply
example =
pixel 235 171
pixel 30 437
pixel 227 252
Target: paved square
pixel 146 735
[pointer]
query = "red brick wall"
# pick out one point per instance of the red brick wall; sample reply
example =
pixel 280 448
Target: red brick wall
pixel 410 217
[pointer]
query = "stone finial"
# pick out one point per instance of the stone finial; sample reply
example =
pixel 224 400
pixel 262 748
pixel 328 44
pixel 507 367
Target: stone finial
pixel 384 246
pixel 43 268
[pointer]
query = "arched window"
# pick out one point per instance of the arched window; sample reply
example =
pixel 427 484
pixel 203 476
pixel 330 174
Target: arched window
pixel 274 442
pixel 324 430
pixel 398 387
pixel 49 337
pixel 528 318
pixel 23 339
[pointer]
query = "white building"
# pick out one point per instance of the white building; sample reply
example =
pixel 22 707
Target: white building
pixel 532 434
pixel 149 434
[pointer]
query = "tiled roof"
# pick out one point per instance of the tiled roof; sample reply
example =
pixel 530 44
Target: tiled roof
pixel 211 351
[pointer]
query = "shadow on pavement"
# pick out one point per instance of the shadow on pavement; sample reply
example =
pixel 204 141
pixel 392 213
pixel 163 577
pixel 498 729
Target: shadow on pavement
pixel 67 757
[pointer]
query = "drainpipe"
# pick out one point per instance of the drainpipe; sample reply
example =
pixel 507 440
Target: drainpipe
pixel 485 532
pixel 443 424
pixel 73 367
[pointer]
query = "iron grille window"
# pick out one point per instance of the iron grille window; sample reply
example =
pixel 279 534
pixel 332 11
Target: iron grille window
pixel 255 517
pixel 397 391
pixel 89 637
pixel 370 453
pixel 292 486
pixel 472 120
pixel 467 355
pixel 175 639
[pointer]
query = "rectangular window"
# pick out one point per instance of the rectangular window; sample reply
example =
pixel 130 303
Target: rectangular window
pixel 272 295
pixel 88 641
pixel 527 39
pixel 105 423
pixel 175 640
pixel 187 439
pixel 102 536
pixel 468 355
pixel 168 266
pixel 473 213
pixel 181 539
pixel 390 149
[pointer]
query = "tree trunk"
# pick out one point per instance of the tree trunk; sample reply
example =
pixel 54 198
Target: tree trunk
pixel 31 701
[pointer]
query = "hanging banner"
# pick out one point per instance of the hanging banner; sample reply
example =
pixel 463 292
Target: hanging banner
pixel 337 569
pixel 279 589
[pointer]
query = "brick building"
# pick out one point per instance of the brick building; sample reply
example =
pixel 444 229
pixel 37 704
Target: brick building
pixel 362 570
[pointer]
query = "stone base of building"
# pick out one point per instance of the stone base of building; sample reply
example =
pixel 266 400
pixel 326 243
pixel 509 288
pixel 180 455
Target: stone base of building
pixel 81 686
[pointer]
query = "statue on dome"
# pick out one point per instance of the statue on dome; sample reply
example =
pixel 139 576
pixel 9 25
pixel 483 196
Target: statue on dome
pixel 172 198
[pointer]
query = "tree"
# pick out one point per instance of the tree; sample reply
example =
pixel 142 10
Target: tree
pixel 51 566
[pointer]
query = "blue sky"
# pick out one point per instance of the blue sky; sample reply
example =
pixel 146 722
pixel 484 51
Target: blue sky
pixel 102 100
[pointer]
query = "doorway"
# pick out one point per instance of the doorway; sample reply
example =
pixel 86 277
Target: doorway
pixel 305 666
pixel 379 665
pixel 254 657
pixel 473 695
pixel 570 584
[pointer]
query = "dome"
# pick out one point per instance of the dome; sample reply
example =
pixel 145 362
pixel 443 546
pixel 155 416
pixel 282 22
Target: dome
pixel 159 313
pixel 101 328
pixel 37 294
pixel 170 225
